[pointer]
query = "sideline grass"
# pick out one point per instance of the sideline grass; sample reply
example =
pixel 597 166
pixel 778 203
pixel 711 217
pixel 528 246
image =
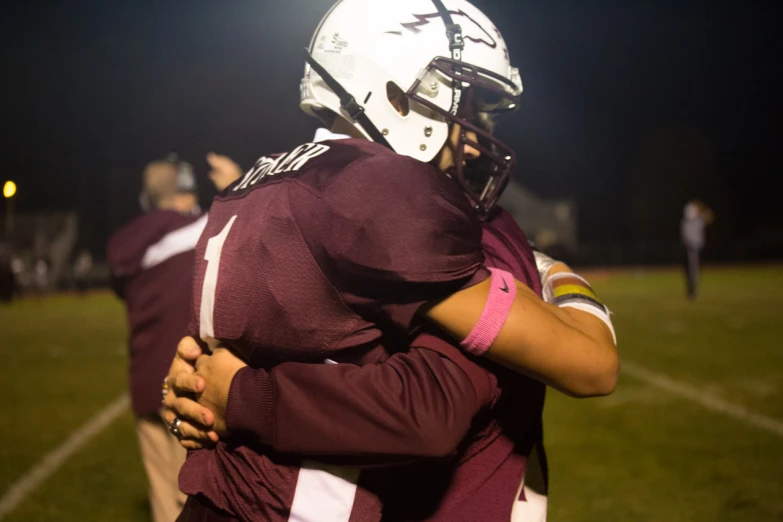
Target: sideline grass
pixel 640 455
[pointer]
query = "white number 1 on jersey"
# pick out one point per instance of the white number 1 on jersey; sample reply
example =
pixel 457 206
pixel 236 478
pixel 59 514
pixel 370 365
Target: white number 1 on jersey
pixel 212 257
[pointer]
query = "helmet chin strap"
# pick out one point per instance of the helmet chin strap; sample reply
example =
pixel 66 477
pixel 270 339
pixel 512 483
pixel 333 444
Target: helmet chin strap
pixel 347 102
pixel 456 46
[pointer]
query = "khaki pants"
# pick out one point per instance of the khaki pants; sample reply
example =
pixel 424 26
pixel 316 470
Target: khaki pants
pixel 162 457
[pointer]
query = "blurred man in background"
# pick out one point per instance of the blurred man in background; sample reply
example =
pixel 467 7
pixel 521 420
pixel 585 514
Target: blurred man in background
pixel 696 216
pixel 151 261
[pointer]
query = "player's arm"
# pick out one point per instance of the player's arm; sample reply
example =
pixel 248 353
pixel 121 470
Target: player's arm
pixel 417 404
pixel 570 347
pixel 394 241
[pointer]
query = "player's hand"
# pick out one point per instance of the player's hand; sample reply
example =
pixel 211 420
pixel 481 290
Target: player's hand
pixel 224 171
pixel 184 385
pixel 547 267
pixel 217 371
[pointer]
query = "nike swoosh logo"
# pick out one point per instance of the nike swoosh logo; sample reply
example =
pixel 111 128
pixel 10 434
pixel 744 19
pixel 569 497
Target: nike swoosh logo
pixel 505 286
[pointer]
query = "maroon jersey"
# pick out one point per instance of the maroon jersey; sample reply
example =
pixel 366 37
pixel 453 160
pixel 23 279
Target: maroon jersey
pixel 151 261
pixel 419 404
pixel 312 255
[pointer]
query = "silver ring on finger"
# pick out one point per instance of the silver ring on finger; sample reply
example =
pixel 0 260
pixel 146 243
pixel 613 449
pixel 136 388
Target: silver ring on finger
pixel 174 427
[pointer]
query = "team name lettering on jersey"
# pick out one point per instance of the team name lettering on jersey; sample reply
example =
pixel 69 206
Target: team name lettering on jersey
pixel 289 162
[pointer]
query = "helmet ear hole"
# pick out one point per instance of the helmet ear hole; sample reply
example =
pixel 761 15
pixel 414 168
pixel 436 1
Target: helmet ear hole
pixel 398 98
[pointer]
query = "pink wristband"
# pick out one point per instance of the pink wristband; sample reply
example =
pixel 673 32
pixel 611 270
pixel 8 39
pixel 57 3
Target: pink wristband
pixel 502 291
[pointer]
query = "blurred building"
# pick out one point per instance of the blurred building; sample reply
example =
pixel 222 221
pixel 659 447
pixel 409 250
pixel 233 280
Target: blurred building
pixel 551 224
pixel 46 237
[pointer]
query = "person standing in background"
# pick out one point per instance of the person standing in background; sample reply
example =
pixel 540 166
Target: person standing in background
pixel 82 267
pixel 41 275
pixel 151 261
pixel 696 216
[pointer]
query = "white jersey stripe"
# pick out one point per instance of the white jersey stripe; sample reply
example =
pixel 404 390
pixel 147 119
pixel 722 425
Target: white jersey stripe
pixel 324 493
pixel 173 243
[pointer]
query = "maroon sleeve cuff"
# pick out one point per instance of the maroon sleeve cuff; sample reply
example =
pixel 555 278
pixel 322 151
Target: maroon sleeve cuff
pixel 251 404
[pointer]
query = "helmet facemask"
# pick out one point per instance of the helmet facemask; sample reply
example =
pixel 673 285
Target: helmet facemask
pixel 476 91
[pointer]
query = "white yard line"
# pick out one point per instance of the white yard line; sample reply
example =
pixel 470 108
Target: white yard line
pixel 52 461
pixel 703 398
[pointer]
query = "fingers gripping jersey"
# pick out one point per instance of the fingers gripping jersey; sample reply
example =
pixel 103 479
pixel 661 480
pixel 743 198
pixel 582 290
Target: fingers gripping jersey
pixel 309 256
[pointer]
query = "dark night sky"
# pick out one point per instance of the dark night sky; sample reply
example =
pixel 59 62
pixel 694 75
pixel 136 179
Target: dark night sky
pixel 92 91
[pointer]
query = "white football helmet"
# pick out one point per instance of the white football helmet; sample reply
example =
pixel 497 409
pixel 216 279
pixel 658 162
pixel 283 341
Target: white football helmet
pixel 442 54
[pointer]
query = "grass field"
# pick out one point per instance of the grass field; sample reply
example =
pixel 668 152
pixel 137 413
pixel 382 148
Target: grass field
pixel 643 454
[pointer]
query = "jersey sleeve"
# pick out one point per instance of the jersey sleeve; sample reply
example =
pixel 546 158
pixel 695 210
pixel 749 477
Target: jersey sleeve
pixel 417 404
pixel 392 233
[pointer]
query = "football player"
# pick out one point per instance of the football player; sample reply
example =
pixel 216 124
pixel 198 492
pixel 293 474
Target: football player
pixel 316 254
pixel 427 402
pixel 375 429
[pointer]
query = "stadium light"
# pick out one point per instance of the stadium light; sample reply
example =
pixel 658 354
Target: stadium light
pixel 9 189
